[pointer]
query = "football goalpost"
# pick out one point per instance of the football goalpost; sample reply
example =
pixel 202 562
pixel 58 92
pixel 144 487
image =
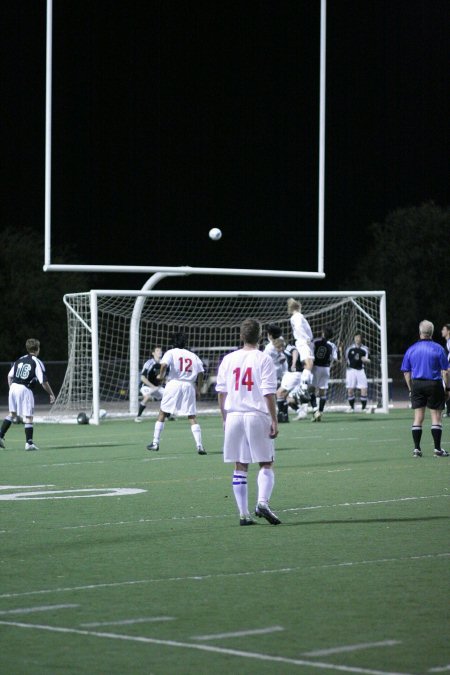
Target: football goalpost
pixel 111 334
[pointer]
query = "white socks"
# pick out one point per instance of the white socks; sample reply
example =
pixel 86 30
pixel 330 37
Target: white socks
pixel 159 427
pixel 266 480
pixel 240 490
pixel 197 433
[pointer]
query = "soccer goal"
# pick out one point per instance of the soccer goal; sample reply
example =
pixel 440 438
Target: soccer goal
pixel 111 334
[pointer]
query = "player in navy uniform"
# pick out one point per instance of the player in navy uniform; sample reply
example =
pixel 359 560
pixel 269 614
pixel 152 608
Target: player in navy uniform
pixel 425 367
pixel 151 388
pixel 325 353
pixel 22 378
pixel 357 355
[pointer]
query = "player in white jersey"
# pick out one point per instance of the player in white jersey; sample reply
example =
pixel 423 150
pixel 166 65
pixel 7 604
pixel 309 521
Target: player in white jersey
pixel 446 335
pixel 275 349
pixel 184 383
pixel 246 386
pixel 22 378
pixel 303 340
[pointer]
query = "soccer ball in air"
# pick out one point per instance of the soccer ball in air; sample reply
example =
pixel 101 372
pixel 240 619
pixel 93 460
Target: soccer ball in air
pixel 215 234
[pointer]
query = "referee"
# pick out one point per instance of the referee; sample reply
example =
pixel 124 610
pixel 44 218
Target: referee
pixel 425 368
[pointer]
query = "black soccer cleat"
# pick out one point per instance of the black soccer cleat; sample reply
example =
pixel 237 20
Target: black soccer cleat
pixel 153 446
pixel 263 511
pixel 246 521
pixel 441 453
pixel 201 450
pixel 417 452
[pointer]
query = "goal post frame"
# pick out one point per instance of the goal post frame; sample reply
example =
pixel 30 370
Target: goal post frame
pixel 49 266
pixel 142 294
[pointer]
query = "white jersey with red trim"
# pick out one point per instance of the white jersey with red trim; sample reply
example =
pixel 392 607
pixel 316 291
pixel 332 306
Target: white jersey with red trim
pixel 246 376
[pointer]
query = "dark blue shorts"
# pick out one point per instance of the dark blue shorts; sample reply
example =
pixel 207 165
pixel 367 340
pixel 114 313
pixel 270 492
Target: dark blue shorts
pixel 427 393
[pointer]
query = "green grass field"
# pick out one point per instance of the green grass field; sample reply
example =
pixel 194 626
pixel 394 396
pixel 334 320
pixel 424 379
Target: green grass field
pixel 164 581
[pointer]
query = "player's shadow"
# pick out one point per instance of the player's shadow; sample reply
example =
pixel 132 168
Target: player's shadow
pixel 359 521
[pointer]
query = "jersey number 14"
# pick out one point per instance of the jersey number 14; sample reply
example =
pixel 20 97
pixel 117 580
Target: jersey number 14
pixel 246 380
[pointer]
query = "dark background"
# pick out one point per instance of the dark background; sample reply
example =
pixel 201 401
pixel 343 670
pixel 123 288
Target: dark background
pixel 171 118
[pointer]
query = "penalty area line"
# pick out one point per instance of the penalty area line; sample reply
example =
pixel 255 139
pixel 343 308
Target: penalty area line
pixel 203 648
pixel 230 575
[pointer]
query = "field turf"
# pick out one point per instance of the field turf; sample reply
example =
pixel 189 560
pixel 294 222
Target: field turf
pixel 164 581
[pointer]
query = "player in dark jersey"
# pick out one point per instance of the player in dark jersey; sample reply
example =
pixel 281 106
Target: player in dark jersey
pixel 22 378
pixel 356 355
pixel 151 388
pixel 446 335
pixel 290 381
pixel 325 353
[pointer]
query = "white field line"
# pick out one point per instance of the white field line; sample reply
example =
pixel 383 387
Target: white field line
pixel 299 508
pixel 206 517
pixel 241 633
pixel 204 648
pixel 128 622
pixel 30 610
pixel 370 503
pixel 335 439
pixel 206 577
pixel 440 669
pixel 352 648
pixel 385 440
pixel 101 461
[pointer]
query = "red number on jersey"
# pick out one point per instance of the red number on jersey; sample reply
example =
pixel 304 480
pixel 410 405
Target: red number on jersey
pixel 246 379
pixel 185 364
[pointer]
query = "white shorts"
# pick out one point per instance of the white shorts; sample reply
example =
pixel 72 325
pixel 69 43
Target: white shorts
pixel 321 376
pixel 179 398
pixel 155 392
pixel 21 400
pixel 356 379
pixel 247 438
pixel 290 380
pixel 304 351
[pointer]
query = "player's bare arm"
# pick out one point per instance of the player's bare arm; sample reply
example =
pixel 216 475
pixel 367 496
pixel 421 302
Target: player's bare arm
pixel 271 402
pixel 162 372
pixel 407 376
pixel 199 385
pixel 49 391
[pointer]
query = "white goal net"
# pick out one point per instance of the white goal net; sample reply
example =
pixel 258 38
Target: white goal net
pixel 111 335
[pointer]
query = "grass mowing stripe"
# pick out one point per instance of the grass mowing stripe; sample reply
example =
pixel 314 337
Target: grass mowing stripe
pixel 206 648
pixel 224 575
pixel 128 622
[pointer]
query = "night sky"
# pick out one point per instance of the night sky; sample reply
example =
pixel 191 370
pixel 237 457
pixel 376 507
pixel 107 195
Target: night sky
pixel 170 118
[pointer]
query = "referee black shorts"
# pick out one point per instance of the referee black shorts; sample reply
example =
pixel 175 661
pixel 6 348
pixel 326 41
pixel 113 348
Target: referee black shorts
pixel 427 393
